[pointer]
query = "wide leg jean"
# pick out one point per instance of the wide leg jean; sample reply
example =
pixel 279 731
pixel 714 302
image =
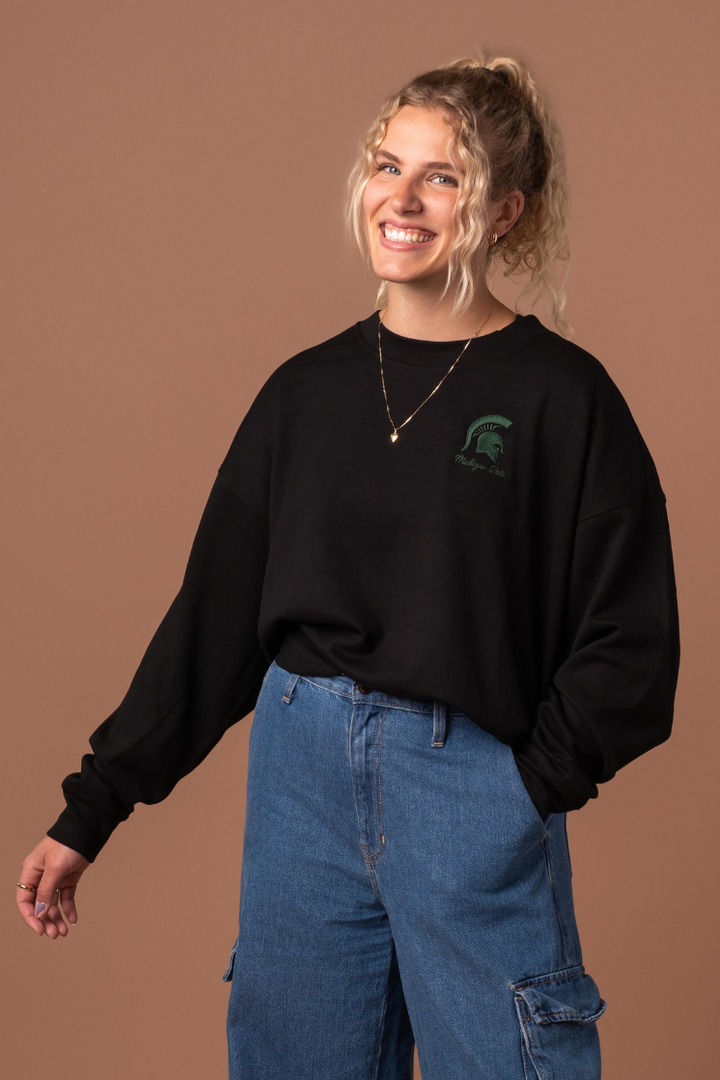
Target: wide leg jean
pixel 399 886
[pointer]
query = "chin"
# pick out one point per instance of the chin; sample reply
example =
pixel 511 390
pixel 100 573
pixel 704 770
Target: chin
pixel 389 270
pixel 404 277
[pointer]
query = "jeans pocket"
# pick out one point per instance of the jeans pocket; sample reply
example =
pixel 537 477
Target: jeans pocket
pixel 557 1014
pixel 523 793
pixel 227 977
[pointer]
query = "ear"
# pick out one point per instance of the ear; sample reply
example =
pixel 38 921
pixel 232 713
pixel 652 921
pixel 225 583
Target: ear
pixel 509 210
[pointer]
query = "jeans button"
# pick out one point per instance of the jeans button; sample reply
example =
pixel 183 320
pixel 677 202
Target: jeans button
pixel 363 689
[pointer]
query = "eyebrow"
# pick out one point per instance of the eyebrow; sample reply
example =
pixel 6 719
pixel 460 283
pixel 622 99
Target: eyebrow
pixel 428 164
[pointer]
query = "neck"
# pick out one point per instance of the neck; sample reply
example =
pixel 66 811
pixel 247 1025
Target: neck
pixel 414 311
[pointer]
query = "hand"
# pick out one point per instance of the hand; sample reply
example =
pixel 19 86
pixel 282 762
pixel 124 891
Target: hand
pixel 54 870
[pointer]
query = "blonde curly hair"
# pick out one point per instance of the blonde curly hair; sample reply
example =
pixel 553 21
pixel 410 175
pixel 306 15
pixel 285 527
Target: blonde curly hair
pixel 504 139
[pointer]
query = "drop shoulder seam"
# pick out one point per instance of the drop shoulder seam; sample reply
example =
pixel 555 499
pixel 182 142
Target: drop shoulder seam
pixel 244 501
pixel 622 506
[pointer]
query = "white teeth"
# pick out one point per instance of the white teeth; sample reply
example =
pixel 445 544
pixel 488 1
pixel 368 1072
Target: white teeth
pixel 405 237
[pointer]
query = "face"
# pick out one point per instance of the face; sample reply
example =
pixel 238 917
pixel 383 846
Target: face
pixel 410 198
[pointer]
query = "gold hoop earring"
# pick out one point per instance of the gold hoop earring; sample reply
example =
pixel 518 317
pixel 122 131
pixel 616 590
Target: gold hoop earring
pixel 493 240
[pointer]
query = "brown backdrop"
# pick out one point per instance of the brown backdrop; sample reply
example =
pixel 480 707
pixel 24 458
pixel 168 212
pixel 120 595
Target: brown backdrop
pixel 173 177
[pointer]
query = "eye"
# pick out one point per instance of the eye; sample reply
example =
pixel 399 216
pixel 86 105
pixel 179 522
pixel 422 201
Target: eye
pixel 445 180
pixel 383 166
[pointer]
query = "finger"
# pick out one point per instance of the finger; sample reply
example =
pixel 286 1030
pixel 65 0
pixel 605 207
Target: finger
pixel 46 898
pixel 48 920
pixel 27 910
pixel 25 897
pixel 67 901
pixel 43 923
pixel 61 904
pixel 27 885
pixel 54 917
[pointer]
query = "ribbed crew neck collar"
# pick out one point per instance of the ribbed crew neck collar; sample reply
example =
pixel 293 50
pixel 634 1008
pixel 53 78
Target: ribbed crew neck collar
pixel 422 353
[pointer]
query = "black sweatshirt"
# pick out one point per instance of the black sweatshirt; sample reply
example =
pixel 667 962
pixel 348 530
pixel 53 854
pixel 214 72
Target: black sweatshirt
pixel 509 554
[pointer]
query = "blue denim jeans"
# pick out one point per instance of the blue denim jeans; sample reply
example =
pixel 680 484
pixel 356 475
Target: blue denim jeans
pixel 399 886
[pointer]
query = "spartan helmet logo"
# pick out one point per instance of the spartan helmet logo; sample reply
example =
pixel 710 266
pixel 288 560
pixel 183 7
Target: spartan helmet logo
pixel 488 439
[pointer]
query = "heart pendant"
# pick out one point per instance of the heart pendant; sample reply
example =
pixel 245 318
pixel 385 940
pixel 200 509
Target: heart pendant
pixel 394 436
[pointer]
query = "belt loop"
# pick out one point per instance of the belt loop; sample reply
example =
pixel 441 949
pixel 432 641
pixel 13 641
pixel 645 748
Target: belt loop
pixel 290 688
pixel 439 711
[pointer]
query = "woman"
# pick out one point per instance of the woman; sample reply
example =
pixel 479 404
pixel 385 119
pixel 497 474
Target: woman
pixel 436 562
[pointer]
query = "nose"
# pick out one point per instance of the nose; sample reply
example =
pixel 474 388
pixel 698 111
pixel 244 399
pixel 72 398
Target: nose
pixel 405 197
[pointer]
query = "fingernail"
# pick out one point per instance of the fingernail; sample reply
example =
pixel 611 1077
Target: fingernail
pixel 39 908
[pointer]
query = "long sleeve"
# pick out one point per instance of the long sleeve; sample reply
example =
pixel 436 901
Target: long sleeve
pixel 523 575
pixel 201 672
pixel 612 697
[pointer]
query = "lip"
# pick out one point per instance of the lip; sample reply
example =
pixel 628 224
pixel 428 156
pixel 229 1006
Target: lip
pixel 403 245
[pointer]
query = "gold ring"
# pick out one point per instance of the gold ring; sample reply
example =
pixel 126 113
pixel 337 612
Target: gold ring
pixel 30 888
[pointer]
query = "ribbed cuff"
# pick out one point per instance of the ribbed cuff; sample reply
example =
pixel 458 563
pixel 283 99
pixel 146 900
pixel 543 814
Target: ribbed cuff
pixel 83 829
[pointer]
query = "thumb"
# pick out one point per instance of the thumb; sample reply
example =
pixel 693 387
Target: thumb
pixel 47 893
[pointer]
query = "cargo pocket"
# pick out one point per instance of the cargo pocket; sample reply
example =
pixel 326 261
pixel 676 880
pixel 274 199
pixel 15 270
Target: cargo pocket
pixel 227 977
pixel 557 1014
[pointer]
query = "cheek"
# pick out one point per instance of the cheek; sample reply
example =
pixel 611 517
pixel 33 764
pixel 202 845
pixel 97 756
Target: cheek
pixel 372 197
pixel 369 210
pixel 445 212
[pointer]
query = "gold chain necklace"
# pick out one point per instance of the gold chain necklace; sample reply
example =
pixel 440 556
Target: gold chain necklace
pixel 394 436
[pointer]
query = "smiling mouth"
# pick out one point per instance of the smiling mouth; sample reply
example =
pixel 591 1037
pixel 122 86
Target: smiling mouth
pixel 406 236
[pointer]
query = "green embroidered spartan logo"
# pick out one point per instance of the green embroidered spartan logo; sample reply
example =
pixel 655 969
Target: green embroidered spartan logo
pixel 488 439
